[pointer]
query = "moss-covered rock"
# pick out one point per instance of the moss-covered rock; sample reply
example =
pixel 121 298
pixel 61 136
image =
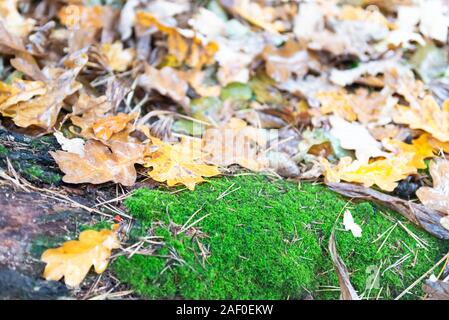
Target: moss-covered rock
pixel 262 239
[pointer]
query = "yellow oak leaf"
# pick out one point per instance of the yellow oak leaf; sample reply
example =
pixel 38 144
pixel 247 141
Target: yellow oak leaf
pixel 427 116
pixel 186 48
pixel 419 150
pixel 18 91
pixel 74 258
pixel 180 163
pixel 338 103
pixel 236 143
pixel 119 59
pixel 101 163
pixel 384 173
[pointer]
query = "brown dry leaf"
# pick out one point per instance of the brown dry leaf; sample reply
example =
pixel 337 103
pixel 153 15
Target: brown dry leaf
pixel 43 110
pixel 167 81
pixel 101 163
pixel 236 143
pixel 424 217
pixel 384 173
pixel 427 116
pixel 106 127
pixel 182 163
pixel 74 258
pixel 119 59
pixel 13 21
pixel 185 48
pixel 437 197
pixel 347 290
pixel 292 59
pixel 436 289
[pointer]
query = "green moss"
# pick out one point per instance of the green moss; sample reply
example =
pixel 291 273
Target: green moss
pixel 267 240
pixel 36 173
pixel 3 151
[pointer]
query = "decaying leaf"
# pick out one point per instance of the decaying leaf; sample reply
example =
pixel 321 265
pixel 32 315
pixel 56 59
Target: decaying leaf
pixel 101 163
pixel 119 59
pixel 74 258
pixel 427 116
pixel 436 289
pixel 181 163
pixel 167 81
pixel 423 217
pixel 184 46
pixel 236 143
pixel 437 197
pixel 42 111
pixel 354 136
pixel 347 290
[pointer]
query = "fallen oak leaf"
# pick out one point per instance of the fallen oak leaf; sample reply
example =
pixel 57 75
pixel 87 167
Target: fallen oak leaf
pixel 354 136
pixel 13 21
pixel 101 163
pixel 167 81
pixel 421 216
pixel 236 143
pixel 74 258
pixel 384 173
pixel 104 128
pixel 186 48
pixel 419 150
pixel 427 116
pixel 180 163
pixel 19 91
pixel 118 59
pixel 437 197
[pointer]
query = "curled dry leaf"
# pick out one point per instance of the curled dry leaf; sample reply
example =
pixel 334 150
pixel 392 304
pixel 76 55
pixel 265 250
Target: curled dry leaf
pixel 101 163
pixel 13 21
pixel 427 116
pixel 423 217
pixel 119 59
pixel 42 111
pixel 185 47
pixel 236 143
pixel 181 163
pixel 347 290
pixel 74 258
pixel 167 81
pixel 354 136
pixel 437 197
pixel 436 289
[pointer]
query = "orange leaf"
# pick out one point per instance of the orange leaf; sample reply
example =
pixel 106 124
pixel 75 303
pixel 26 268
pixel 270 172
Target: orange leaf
pixel 419 150
pixel 74 258
pixel 106 127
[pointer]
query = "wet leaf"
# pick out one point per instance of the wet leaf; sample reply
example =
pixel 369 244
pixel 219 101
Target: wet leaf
pixel 74 258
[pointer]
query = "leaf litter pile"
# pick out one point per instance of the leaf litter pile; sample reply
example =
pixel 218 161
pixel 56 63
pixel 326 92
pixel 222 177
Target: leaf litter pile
pixel 351 93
